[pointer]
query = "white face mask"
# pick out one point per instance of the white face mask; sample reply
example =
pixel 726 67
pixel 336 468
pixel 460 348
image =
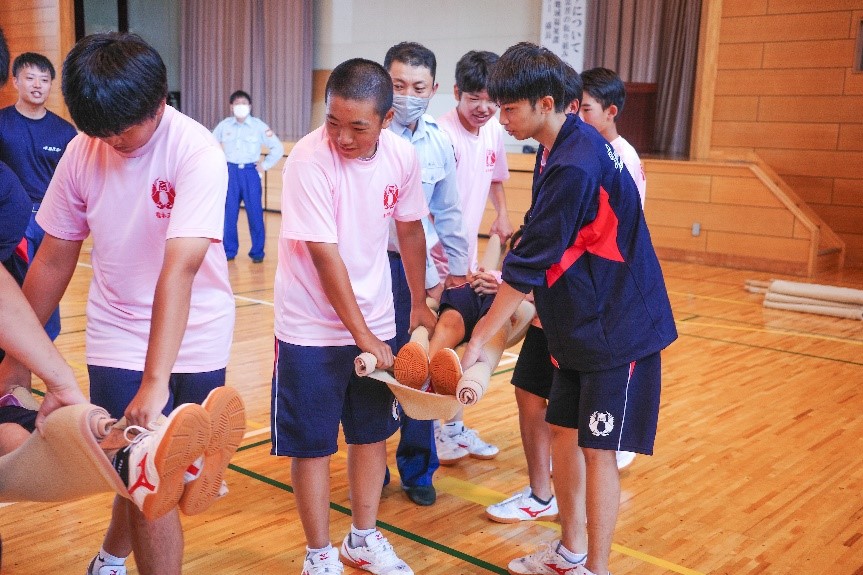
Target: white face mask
pixel 241 111
pixel 408 109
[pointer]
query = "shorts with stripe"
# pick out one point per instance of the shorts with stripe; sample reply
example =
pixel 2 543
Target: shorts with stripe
pixel 534 371
pixel 315 388
pixel 113 388
pixel 616 409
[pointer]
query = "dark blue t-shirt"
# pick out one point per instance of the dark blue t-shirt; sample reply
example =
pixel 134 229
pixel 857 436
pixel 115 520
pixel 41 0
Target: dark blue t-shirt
pixel 15 208
pixel 587 255
pixel 32 148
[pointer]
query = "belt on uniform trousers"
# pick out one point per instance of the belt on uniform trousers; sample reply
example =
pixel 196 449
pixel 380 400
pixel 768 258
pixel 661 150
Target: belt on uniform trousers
pixel 243 166
pixel 393 254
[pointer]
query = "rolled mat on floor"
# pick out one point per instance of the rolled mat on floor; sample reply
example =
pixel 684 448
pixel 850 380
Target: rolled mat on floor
pixel 63 462
pixel 417 404
pixel 810 298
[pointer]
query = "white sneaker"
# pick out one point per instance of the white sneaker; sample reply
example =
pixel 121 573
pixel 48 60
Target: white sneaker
pixel 376 556
pixel 153 464
pixel 522 507
pixel 105 569
pixel 448 449
pixel 624 458
pixel 479 449
pixel 323 563
pixel 545 561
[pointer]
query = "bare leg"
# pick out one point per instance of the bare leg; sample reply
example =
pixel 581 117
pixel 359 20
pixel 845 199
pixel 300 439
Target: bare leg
pixel 366 468
pixel 158 545
pixel 12 436
pixel 118 540
pixel 603 502
pixel 569 487
pixel 536 441
pixel 449 332
pixel 311 479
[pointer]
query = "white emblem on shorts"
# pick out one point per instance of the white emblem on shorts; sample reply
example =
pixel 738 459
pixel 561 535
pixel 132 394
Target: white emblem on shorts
pixel 396 409
pixel 601 424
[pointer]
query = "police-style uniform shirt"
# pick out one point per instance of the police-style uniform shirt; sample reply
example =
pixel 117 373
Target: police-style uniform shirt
pixel 437 162
pixel 242 141
pixel 32 148
pixel 587 254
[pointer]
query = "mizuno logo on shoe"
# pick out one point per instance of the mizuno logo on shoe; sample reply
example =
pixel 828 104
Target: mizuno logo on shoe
pixel 536 513
pixel 142 480
pixel 556 569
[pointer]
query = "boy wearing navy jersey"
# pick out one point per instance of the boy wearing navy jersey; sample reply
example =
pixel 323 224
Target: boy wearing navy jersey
pixel 598 288
pixel 32 139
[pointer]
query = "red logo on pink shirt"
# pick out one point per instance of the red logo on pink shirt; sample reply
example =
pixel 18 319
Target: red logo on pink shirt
pixel 163 194
pixel 490 158
pixel 391 196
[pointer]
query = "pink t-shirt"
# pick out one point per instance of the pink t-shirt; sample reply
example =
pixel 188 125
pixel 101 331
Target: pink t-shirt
pixel 174 186
pixel 480 160
pixel 328 199
pixel 633 163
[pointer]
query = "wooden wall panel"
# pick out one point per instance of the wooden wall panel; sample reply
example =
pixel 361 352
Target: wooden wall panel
pixel 811 54
pixel 735 108
pixel 786 27
pixel 776 135
pixel 795 58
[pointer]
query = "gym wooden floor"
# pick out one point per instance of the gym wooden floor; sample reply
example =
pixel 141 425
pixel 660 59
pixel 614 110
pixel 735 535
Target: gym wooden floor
pixel 757 466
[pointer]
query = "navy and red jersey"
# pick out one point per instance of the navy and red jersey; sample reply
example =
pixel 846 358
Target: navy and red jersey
pixel 587 255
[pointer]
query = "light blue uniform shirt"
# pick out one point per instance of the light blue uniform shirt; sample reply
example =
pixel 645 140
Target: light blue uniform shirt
pixel 243 141
pixel 437 162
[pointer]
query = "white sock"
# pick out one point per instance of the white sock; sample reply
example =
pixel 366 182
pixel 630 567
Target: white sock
pixel 105 558
pixel 569 555
pixel 358 536
pixel 453 428
pixel 309 551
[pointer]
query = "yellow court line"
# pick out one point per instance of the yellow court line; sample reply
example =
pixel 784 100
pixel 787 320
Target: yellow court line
pixel 771 331
pixel 485 497
pixel 711 298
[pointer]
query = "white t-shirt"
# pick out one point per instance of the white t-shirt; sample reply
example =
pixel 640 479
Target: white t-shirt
pixel 480 160
pixel 633 163
pixel 328 199
pixel 172 187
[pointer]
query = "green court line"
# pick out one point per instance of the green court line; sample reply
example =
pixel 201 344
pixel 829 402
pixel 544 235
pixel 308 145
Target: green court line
pixel 382 524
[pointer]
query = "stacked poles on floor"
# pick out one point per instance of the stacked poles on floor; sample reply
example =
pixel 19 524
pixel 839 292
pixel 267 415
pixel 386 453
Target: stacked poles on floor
pixel 810 298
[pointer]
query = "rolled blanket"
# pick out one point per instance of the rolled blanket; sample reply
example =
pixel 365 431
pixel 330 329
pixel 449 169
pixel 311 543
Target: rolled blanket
pixel 817 309
pixel 817 291
pixel 473 383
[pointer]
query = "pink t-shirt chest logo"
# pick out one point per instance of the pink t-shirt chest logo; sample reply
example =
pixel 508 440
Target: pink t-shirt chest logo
pixel 490 158
pixel 391 196
pixel 163 195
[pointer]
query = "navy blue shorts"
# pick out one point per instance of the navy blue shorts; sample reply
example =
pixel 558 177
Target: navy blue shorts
pixel 469 304
pixel 314 388
pixel 615 409
pixel 534 371
pixel 24 417
pixel 113 388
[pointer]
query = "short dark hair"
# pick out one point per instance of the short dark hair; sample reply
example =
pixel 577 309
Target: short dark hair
pixel 606 87
pixel 112 82
pixel 412 54
pixel 529 72
pixel 4 58
pixel 573 88
pixel 33 60
pixel 473 70
pixel 240 94
pixel 360 79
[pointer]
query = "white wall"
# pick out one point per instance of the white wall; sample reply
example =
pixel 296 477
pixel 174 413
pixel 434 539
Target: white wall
pixel 367 28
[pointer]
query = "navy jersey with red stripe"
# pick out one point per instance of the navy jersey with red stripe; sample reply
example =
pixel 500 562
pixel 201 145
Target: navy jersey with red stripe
pixel 587 254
